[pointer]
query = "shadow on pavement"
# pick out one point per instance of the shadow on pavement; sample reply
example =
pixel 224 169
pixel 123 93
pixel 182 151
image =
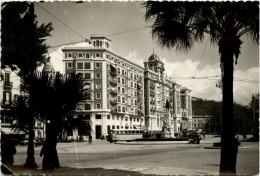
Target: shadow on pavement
pixel 19 170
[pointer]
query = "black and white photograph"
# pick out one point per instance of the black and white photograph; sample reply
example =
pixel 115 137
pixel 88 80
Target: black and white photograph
pixel 129 87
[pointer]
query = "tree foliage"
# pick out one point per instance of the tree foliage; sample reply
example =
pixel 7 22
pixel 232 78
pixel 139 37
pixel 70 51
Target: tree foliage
pixel 23 40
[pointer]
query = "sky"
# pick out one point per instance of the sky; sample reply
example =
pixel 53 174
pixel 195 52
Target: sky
pixel 115 18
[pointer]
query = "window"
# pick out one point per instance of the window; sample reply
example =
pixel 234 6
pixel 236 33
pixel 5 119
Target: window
pixel 108 116
pixel 118 70
pixel 98 75
pixel 69 55
pixel 123 90
pixel 135 102
pixel 118 89
pixel 123 72
pixel 69 65
pixel 123 99
pixel 137 119
pixel 123 81
pixel 87 76
pixel 135 85
pixel 87 65
pixel 113 126
pixel 119 108
pixel 135 94
pixel 117 127
pixel 131 76
pixel 118 80
pixel 132 102
pixel 98 85
pixel 135 77
pixel 123 109
pixel 87 55
pixel 118 99
pixel 98 116
pixel 98 105
pixel 80 55
pixel 80 65
pixel 131 84
pixel 87 106
pixel 98 96
pixel 97 42
pixel 136 111
pixel 97 65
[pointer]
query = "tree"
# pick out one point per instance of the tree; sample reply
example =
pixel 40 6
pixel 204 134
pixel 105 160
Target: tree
pixel 23 118
pixel 254 106
pixel 54 97
pixel 23 49
pixel 180 24
pixel 23 46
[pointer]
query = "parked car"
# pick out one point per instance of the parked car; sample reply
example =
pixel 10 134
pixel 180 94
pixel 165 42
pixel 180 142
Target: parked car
pixel 25 142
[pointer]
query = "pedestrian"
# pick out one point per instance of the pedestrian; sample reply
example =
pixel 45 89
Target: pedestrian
pixel 7 152
pixel 90 139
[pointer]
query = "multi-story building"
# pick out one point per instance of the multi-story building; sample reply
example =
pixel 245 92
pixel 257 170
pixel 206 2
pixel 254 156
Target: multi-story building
pixel 125 95
pixel 116 86
pixel 10 91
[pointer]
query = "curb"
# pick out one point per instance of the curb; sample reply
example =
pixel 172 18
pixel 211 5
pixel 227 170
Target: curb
pixel 152 143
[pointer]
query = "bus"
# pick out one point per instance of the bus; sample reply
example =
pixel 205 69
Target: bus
pixel 124 135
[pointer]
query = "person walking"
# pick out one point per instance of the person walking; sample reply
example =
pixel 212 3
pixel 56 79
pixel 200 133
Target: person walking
pixel 7 152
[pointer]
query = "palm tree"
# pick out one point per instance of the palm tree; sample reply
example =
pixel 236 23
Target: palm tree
pixel 23 120
pixel 55 97
pixel 180 24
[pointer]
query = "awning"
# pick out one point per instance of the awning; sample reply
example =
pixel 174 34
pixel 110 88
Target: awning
pixel 10 131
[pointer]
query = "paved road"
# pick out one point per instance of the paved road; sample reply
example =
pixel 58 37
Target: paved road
pixel 101 154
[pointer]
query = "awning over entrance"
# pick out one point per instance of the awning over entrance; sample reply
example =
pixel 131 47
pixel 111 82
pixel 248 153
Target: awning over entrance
pixel 10 131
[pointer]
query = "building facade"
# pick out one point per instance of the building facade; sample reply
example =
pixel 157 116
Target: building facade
pixel 124 95
pixel 202 122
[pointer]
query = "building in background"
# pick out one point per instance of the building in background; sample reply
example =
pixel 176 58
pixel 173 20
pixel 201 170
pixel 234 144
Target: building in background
pixel 203 122
pixel 125 95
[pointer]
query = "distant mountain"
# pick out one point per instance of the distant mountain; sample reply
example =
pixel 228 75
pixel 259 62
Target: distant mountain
pixel 243 118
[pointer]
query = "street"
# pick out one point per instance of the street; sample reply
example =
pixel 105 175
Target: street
pixel 145 158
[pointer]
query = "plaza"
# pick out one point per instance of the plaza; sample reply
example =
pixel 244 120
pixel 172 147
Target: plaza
pixel 101 157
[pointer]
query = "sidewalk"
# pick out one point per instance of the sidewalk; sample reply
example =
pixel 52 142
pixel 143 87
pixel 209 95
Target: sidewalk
pixel 18 170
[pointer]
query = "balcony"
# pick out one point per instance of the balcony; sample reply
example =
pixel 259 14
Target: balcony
pixel 113 102
pixel 113 91
pixel 6 102
pixel 113 82
pixel 113 74
pixel 113 110
pixel 8 85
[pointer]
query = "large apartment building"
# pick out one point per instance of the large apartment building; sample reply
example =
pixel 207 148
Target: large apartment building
pixel 125 95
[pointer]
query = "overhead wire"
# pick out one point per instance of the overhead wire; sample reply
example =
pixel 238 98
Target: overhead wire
pixel 60 21
pixel 128 31
pixel 201 57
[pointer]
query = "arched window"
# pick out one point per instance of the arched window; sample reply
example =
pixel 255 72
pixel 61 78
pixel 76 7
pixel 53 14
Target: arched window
pixel 97 43
pixel 100 43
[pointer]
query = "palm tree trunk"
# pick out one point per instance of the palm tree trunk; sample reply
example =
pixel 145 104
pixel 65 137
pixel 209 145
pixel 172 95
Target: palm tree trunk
pixel 30 160
pixel 50 159
pixel 228 144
